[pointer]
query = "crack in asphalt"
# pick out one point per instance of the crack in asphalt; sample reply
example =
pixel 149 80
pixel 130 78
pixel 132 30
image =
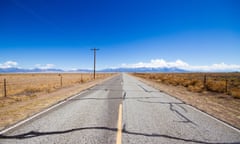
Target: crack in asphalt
pixel 33 134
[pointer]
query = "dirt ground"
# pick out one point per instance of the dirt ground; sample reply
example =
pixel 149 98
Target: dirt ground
pixel 12 113
pixel 220 106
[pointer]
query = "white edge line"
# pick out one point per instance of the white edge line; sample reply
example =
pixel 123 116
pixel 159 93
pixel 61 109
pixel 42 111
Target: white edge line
pixel 208 115
pixel 40 113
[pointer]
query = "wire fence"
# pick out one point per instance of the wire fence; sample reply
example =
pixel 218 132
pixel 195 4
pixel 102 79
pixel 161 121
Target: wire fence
pixel 228 83
pixel 32 84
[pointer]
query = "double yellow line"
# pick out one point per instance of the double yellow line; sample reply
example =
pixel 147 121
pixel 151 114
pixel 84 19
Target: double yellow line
pixel 119 132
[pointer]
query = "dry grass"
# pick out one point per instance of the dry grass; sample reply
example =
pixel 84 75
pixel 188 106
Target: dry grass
pixel 228 83
pixel 30 84
pixel 22 87
pixel 31 93
pixel 211 99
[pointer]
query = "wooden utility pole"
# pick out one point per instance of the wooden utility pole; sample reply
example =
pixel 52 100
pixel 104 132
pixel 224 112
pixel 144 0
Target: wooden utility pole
pixel 94 67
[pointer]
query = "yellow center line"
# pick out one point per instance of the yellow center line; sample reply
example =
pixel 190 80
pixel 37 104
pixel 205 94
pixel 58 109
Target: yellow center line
pixel 119 132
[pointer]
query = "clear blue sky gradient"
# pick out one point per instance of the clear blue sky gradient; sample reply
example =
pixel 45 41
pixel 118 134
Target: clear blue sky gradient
pixel 62 32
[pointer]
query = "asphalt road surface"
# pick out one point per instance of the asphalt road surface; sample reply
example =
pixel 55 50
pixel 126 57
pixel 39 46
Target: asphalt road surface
pixel 145 115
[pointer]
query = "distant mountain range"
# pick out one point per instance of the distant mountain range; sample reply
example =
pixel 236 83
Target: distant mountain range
pixel 142 69
pixel 20 70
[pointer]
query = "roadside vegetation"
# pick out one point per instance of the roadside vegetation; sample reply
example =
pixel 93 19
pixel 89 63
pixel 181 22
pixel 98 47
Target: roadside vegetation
pixel 227 83
pixel 20 87
pixel 27 94
pixel 217 94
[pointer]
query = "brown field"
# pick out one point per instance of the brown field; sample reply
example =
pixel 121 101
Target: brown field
pixel 34 84
pixel 28 94
pixel 217 94
pixel 227 83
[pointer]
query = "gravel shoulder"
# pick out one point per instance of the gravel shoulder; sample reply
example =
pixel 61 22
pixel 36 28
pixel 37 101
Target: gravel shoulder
pixel 220 106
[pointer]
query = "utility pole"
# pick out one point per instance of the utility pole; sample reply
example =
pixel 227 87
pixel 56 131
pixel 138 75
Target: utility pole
pixel 94 70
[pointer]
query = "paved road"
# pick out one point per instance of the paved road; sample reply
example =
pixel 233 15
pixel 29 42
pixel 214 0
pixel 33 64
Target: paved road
pixel 148 116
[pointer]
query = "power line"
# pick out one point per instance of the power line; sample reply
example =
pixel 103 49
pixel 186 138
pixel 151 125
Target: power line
pixel 94 69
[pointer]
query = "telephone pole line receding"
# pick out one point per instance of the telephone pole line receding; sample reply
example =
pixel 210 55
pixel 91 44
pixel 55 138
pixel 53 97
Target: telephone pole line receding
pixel 94 70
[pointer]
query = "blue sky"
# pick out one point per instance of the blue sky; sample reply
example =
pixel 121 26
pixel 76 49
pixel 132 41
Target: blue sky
pixel 130 33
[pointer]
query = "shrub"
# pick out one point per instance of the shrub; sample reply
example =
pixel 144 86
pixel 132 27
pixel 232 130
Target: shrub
pixel 235 92
pixel 30 90
pixel 216 86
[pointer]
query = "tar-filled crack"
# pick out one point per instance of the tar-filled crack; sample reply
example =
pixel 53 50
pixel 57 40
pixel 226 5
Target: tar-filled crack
pixel 124 95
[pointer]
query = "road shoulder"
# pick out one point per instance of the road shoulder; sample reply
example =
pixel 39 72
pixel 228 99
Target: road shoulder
pixel 23 109
pixel 220 106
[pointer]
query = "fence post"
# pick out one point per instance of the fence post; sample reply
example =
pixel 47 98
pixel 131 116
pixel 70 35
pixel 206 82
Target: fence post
pixel 205 81
pixel 81 78
pixel 5 87
pixel 226 86
pixel 61 81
